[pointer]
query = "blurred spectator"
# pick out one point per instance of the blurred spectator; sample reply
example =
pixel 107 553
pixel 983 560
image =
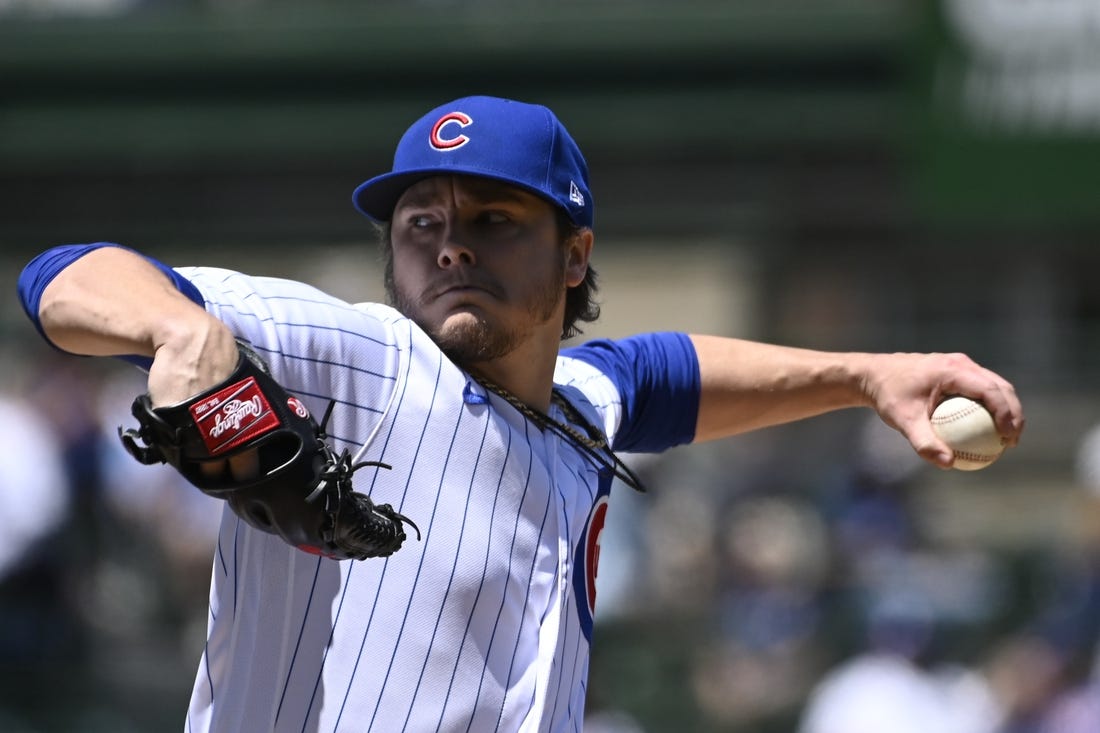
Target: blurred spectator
pixel 775 558
pixel 882 691
pixel 1087 461
pixel 157 508
pixel 1024 674
pixel 892 685
pixel 682 566
pixel 34 504
pixel 104 563
pixel 611 721
pixel 1075 711
pixel 1050 675
pixel 34 490
pixel 40 632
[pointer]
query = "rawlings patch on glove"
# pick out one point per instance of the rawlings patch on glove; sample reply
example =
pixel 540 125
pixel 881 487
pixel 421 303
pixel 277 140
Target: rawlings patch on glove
pixel 300 490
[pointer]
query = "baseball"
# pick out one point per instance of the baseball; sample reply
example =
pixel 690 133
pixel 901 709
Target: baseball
pixel 968 428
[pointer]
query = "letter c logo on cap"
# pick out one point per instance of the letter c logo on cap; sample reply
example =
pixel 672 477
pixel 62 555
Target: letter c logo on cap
pixel 439 142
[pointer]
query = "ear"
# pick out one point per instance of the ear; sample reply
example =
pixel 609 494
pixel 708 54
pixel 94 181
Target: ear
pixel 578 250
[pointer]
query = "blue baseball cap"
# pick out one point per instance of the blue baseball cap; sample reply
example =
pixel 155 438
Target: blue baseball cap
pixel 502 139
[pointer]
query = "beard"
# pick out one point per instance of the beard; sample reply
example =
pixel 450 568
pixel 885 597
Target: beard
pixel 474 339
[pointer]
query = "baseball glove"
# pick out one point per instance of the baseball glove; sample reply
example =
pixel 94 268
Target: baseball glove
pixel 301 489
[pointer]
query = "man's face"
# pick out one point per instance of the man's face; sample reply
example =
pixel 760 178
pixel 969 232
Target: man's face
pixel 478 265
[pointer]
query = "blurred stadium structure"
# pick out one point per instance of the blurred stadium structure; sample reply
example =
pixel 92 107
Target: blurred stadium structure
pixel 841 174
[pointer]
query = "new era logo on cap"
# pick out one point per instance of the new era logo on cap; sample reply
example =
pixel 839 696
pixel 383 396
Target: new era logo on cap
pixel 514 142
pixel 575 194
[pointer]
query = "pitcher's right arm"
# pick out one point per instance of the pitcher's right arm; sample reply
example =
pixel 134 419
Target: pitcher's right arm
pixel 112 301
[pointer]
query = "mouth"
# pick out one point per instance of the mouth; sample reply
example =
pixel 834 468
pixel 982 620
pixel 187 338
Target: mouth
pixel 462 289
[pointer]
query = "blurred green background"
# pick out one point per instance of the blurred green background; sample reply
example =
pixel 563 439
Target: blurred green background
pixel 838 174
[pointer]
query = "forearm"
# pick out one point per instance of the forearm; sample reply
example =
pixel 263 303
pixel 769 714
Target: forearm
pixel 748 385
pixel 112 301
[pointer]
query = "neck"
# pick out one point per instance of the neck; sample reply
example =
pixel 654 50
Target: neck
pixel 526 373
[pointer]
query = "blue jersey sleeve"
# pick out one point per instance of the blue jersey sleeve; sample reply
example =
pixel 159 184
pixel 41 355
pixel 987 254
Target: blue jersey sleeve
pixel 41 271
pixel 657 376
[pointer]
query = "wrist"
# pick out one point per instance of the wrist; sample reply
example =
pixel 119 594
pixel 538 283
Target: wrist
pixel 189 356
pixel 861 380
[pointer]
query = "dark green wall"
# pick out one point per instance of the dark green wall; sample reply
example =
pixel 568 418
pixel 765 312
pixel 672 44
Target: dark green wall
pixel 257 124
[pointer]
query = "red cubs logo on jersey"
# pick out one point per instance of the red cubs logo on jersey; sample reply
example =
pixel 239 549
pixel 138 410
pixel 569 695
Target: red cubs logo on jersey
pixel 587 560
pixel 592 550
pixel 443 137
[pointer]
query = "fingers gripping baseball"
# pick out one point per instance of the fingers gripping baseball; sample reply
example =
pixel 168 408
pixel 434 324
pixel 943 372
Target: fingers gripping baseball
pixel 922 438
pixel 905 390
pixel 248 441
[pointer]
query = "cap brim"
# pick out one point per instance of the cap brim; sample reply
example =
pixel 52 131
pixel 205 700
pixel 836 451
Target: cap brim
pixel 377 197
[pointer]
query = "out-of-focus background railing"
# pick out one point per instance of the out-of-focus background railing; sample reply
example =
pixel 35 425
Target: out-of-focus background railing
pixel 839 174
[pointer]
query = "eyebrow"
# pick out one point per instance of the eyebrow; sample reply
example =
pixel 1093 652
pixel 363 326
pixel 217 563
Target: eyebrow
pixel 415 200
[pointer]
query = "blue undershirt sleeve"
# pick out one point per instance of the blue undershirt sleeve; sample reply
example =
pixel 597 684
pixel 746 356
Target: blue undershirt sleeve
pixel 41 271
pixel 657 376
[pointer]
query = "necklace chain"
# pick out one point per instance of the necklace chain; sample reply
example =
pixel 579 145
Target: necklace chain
pixel 594 444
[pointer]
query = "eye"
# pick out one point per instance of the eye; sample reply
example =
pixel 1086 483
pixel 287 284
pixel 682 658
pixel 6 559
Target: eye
pixel 416 222
pixel 495 219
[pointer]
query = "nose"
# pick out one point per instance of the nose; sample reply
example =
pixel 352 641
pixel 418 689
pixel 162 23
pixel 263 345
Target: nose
pixel 454 252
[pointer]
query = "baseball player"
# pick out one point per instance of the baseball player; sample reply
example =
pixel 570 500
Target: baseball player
pixel 455 411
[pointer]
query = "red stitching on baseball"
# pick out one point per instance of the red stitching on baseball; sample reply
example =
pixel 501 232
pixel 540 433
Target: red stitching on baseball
pixel 970 410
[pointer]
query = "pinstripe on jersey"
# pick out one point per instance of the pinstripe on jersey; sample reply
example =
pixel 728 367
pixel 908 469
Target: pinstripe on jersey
pixel 475 627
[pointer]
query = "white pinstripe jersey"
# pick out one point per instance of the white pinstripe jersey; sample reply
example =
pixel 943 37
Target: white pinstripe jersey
pixel 482 625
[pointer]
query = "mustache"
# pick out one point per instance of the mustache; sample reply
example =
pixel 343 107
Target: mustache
pixel 464 281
